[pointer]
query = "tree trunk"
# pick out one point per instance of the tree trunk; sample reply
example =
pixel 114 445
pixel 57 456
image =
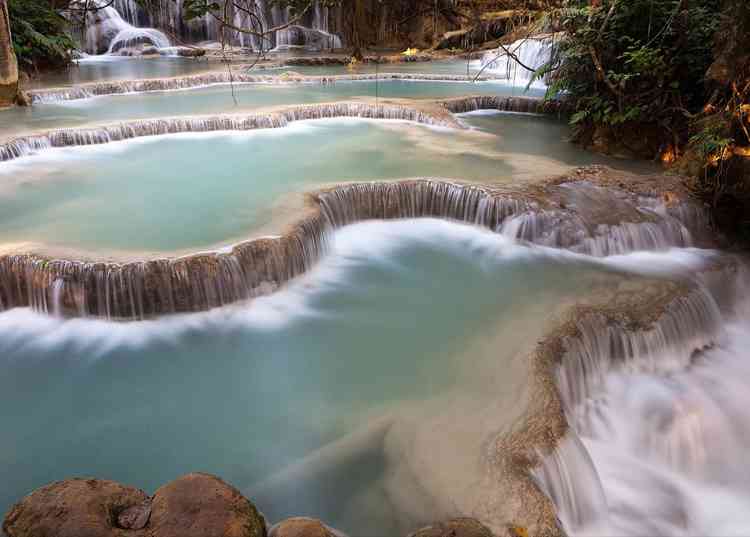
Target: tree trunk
pixel 8 62
pixel 357 29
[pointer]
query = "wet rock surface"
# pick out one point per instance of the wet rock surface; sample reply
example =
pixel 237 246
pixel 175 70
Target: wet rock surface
pixel 196 505
pixel 202 505
pixel 73 508
pixel 302 527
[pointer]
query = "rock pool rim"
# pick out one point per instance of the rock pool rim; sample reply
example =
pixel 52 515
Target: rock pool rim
pixel 136 290
pixel 223 78
pixel 439 113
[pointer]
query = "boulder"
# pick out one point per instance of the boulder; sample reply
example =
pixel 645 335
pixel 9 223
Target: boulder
pixel 196 505
pixel 191 52
pixel 74 508
pixel 457 527
pixel 202 505
pixel 302 527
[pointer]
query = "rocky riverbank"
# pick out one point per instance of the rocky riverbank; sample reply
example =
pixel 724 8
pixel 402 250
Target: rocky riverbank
pixel 195 505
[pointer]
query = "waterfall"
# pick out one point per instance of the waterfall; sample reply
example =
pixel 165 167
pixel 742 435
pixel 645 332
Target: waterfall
pixel 647 399
pixel 314 30
pixel 640 224
pixel 525 105
pixel 108 32
pixel 29 145
pixel 118 87
pixel 533 53
pixel 143 289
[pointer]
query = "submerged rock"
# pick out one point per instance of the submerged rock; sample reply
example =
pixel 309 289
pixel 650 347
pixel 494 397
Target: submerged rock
pixel 457 527
pixel 74 508
pixel 202 505
pixel 190 52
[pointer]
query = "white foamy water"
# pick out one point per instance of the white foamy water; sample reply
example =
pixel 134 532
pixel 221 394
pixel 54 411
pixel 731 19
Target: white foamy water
pixel 106 27
pixel 517 68
pixel 406 332
pixel 658 439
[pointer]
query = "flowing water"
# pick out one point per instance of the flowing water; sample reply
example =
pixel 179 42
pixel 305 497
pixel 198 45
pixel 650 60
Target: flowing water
pixel 519 61
pixel 430 320
pixel 158 194
pixel 657 443
pixel 224 99
pixel 383 388
pixel 245 392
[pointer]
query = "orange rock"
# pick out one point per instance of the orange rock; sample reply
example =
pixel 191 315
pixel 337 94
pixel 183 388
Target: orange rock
pixel 74 508
pixel 202 505
pixel 301 527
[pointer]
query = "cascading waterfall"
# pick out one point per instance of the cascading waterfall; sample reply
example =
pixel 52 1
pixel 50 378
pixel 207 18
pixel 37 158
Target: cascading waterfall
pixel 118 87
pixel 526 54
pixel 108 32
pixel 524 105
pixel 314 31
pixel 29 145
pixel 645 401
pixel 640 223
pixel 204 281
pixel 145 289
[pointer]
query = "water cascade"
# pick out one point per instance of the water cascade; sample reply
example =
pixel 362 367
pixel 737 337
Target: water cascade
pixel 648 400
pixel 107 32
pixel 532 53
pixel 204 281
pixel 522 105
pixel 86 91
pixel 28 145
pixel 315 30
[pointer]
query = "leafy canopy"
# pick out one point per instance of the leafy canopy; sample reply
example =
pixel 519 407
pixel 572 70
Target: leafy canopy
pixel 631 61
pixel 40 34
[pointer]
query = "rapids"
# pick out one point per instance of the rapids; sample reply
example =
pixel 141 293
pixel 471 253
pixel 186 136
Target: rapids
pixel 411 355
pixel 531 54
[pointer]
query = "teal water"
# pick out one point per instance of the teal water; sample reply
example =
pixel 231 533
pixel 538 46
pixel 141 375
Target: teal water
pixel 106 68
pixel 220 99
pixel 418 323
pixel 188 191
pixel 99 69
pixel 444 67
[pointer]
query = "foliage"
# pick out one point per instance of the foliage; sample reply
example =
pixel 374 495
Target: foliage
pixel 711 141
pixel 629 62
pixel 40 34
